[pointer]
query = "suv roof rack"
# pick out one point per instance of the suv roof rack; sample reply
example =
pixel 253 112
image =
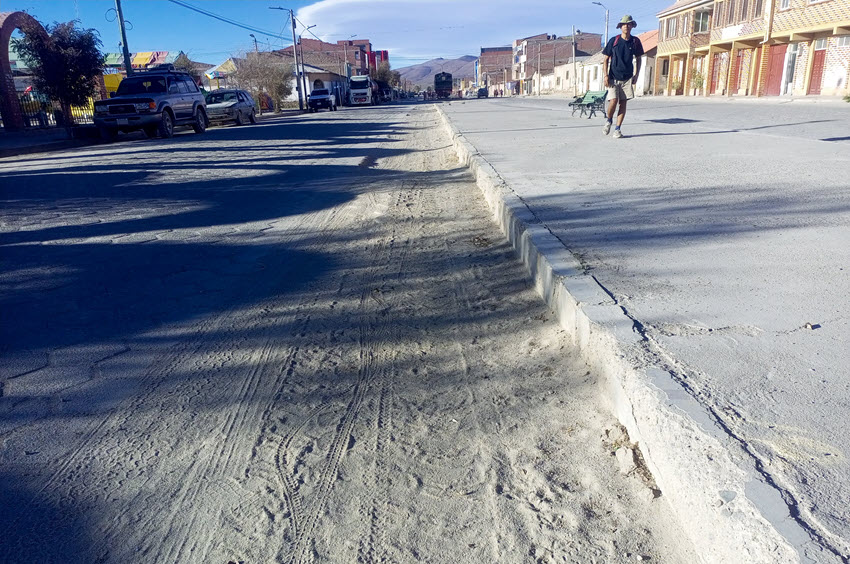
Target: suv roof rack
pixel 165 67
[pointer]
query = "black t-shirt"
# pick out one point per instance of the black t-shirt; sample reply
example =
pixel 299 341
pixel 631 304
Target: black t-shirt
pixel 621 51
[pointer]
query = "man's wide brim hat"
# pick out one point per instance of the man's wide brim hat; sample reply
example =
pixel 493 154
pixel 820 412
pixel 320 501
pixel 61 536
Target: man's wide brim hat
pixel 626 20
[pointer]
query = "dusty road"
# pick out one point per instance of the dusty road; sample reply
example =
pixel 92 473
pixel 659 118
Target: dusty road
pixel 302 341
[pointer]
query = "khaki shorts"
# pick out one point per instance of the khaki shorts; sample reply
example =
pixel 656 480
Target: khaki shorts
pixel 621 90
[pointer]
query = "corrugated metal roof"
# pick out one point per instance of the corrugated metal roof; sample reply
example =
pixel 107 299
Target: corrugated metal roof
pixel 683 4
pixel 649 40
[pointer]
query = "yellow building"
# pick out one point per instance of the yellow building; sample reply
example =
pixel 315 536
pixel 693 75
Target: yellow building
pixel 754 47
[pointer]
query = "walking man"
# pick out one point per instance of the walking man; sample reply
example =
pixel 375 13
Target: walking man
pixel 620 74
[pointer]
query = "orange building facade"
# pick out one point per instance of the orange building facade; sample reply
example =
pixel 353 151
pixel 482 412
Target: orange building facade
pixel 754 48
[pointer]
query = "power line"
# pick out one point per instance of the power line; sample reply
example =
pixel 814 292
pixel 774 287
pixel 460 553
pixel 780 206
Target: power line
pixel 226 20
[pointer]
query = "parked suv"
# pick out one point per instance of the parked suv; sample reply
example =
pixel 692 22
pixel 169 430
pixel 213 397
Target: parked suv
pixel 321 98
pixel 154 101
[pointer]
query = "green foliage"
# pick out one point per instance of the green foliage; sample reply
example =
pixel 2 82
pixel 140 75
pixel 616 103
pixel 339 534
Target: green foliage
pixel 64 63
pixel 697 79
pixel 265 73
pixel 847 98
pixel 383 72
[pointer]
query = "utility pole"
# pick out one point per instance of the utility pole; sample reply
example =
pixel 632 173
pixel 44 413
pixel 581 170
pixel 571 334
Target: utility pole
pixel 295 55
pixel 539 74
pixel 127 64
pixel 303 69
pixel 575 64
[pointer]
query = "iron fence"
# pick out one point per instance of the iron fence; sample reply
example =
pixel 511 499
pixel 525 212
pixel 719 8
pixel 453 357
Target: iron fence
pixel 40 113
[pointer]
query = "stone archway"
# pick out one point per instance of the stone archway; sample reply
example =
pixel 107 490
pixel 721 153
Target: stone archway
pixel 318 84
pixel 10 107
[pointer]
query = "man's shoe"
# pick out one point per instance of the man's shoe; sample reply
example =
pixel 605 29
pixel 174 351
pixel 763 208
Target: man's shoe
pixel 617 134
pixel 606 128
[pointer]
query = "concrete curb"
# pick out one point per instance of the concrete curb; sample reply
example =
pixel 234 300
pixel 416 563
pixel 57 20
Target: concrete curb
pixel 729 509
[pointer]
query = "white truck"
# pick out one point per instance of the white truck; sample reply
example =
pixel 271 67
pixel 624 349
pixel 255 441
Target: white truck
pixel 363 91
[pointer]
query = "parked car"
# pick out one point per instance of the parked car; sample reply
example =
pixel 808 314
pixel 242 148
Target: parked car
pixel 321 98
pixel 482 93
pixel 231 105
pixel 154 101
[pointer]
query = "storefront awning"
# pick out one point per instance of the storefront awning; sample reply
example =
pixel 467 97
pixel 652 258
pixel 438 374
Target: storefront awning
pixel 114 59
pixel 158 57
pixel 141 59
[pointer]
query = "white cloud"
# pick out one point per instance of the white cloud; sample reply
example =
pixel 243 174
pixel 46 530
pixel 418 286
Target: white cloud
pixel 426 29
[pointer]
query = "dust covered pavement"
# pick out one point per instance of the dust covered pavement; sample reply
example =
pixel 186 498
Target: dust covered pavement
pixel 303 341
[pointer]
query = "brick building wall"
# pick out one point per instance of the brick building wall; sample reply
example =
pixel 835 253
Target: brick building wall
pixel 836 74
pixel 802 15
pixel 492 64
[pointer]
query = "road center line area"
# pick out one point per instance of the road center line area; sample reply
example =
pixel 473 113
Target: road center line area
pixel 298 341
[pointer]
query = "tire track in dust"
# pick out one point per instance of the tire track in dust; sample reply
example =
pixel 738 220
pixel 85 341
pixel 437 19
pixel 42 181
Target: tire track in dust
pixel 82 455
pixel 410 200
pixel 328 224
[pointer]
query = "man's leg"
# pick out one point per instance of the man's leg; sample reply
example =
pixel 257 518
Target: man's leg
pixel 609 115
pixel 621 114
pixel 612 105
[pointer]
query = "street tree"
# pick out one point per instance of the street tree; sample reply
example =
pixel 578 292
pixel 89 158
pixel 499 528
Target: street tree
pixel 267 73
pixel 383 72
pixel 64 63
pixel 184 63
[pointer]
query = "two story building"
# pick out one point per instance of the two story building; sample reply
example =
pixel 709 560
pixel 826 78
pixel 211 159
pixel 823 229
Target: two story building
pixel 754 48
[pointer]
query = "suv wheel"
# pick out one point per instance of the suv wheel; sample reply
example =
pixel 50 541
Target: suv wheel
pixel 253 117
pixel 166 125
pixel 150 131
pixel 200 123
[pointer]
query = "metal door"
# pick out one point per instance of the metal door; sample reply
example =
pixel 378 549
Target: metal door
pixel 715 71
pixel 817 72
pixel 775 65
pixel 739 66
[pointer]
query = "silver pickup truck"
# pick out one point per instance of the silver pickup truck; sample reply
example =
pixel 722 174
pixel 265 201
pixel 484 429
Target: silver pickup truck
pixel 321 98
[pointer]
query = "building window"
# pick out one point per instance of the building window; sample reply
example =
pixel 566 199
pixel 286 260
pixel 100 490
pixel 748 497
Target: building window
pixel 731 16
pixel 843 41
pixel 685 22
pixel 784 4
pixel 671 27
pixel 357 55
pixel 595 73
pixel 665 67
pixel 759 11
pixel 745 7
pixel 720 10
pixel 701 21
pixel 820 44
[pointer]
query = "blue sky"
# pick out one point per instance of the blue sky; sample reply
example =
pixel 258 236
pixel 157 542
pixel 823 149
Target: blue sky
pixel 412 31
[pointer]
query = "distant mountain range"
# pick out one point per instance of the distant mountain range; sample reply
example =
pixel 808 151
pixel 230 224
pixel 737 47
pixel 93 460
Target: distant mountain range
pixel 423 74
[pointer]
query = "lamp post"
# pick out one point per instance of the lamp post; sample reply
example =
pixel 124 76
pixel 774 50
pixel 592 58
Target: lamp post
pixel 301 49
pixel 294 55
pixel 605 37
pixel 345 53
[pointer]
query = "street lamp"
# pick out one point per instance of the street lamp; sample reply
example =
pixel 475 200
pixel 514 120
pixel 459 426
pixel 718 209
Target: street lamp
pixel 345 53
pixel 256 49
pixel 301 49
pixel 605 38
